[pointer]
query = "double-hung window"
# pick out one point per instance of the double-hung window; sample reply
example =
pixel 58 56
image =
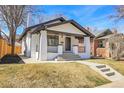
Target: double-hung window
pixel 101 43
pixel 52 40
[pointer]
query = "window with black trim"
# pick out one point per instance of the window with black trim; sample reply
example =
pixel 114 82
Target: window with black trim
pixel 101 43
pixel 52 40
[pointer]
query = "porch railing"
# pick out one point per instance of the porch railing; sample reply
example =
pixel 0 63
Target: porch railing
pixel 52 49
pixel 78 49
pixel 55 49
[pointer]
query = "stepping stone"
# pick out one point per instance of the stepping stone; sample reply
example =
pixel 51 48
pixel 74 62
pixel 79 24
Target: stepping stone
pixel 101 66
pixel 105 70
pixel 110 73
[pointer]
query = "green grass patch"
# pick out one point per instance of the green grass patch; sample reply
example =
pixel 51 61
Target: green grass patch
pixel 62 75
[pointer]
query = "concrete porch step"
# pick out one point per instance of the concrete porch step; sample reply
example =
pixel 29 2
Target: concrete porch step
pixel 68 56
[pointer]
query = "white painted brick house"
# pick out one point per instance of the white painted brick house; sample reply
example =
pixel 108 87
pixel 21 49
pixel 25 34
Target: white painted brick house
pixel 50 39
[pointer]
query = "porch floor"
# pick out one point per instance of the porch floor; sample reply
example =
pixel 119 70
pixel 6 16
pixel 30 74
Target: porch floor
pixel 68 57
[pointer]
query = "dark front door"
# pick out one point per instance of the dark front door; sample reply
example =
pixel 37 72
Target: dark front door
pixel 68 44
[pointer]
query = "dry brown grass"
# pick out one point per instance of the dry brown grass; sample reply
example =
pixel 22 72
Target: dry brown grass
pixel 62 75
pixel 118 65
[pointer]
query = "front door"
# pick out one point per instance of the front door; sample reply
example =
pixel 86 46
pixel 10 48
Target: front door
pixel 68 44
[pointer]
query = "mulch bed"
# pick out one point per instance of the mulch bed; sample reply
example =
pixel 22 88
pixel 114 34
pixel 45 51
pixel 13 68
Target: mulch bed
pixel 11 59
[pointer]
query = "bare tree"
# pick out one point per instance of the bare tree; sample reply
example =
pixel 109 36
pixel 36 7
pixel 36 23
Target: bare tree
pixel 119 14
pixel 116 43
pixel 117 40
pixel 14 16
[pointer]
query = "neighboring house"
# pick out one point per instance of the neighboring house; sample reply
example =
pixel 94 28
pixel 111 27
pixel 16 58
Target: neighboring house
pixel 101 44
pixel 50 39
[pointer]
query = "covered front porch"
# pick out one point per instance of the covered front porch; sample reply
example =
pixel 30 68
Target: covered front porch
pixel 49 44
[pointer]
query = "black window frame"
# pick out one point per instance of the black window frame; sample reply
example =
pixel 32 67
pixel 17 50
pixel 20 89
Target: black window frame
pixel 53 39
pixel 101 44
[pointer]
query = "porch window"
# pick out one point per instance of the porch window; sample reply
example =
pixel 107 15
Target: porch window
pixel 52 40
pixel 101 43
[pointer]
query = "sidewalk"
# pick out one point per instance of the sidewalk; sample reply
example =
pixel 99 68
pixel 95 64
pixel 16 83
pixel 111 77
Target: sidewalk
pixel 116 84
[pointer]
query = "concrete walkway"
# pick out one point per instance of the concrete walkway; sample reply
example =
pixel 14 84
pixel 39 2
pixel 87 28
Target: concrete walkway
pixel 115 84
pixel 105 70
pixel 117 79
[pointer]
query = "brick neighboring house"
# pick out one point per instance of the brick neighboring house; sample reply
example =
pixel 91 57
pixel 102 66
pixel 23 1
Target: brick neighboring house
pixel 101 44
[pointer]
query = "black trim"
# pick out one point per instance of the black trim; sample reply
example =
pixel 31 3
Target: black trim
pixel 61 19
pixel 69 21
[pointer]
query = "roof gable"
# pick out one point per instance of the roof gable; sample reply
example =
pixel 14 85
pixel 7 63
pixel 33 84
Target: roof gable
pixel 104 33
pixel 66 28
pixel 74 23
pixel 53 23
pixel 57 20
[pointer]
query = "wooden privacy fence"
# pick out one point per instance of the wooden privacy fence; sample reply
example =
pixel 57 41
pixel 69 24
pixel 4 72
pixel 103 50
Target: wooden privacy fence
pixel 5 48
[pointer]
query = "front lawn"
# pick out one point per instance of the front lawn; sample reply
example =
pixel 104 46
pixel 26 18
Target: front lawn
pixel 118 65
pixel 49 75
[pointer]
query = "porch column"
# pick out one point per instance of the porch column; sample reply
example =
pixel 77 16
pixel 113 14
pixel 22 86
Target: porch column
pixel 60 49
pixel 43 45
pixel 28 45
pixel 23 47
pixel 75 49
pixel 87 47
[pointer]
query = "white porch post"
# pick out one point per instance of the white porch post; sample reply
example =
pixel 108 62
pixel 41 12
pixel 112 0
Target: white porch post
pixel 75 49
pixel 60 49
pixel 87 47
pixel 43 45
pixel 28 45
pixel 23 46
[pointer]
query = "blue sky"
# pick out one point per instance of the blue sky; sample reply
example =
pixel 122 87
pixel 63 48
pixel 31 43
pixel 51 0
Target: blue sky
pixel 94 16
